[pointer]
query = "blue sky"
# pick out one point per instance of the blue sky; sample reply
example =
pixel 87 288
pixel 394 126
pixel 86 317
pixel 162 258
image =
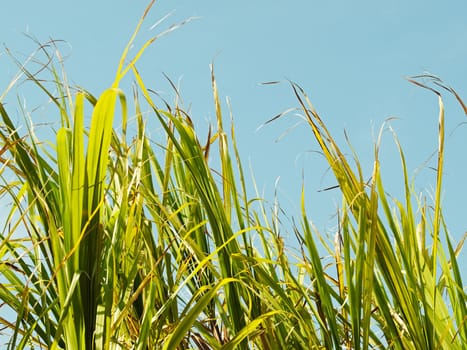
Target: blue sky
pixel 350 57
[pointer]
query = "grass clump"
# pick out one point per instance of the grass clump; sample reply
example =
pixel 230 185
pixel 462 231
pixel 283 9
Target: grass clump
pixel 118 241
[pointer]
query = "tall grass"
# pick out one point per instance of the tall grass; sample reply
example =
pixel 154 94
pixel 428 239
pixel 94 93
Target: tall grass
pixel 119 241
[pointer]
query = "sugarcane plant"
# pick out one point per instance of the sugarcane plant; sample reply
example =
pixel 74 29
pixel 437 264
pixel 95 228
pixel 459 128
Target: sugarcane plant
pixel 118 239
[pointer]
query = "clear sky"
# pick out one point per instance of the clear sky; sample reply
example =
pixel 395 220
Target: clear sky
pixel 350 56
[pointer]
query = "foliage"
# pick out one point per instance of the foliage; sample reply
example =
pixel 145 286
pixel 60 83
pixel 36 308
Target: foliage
pixel 119 244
